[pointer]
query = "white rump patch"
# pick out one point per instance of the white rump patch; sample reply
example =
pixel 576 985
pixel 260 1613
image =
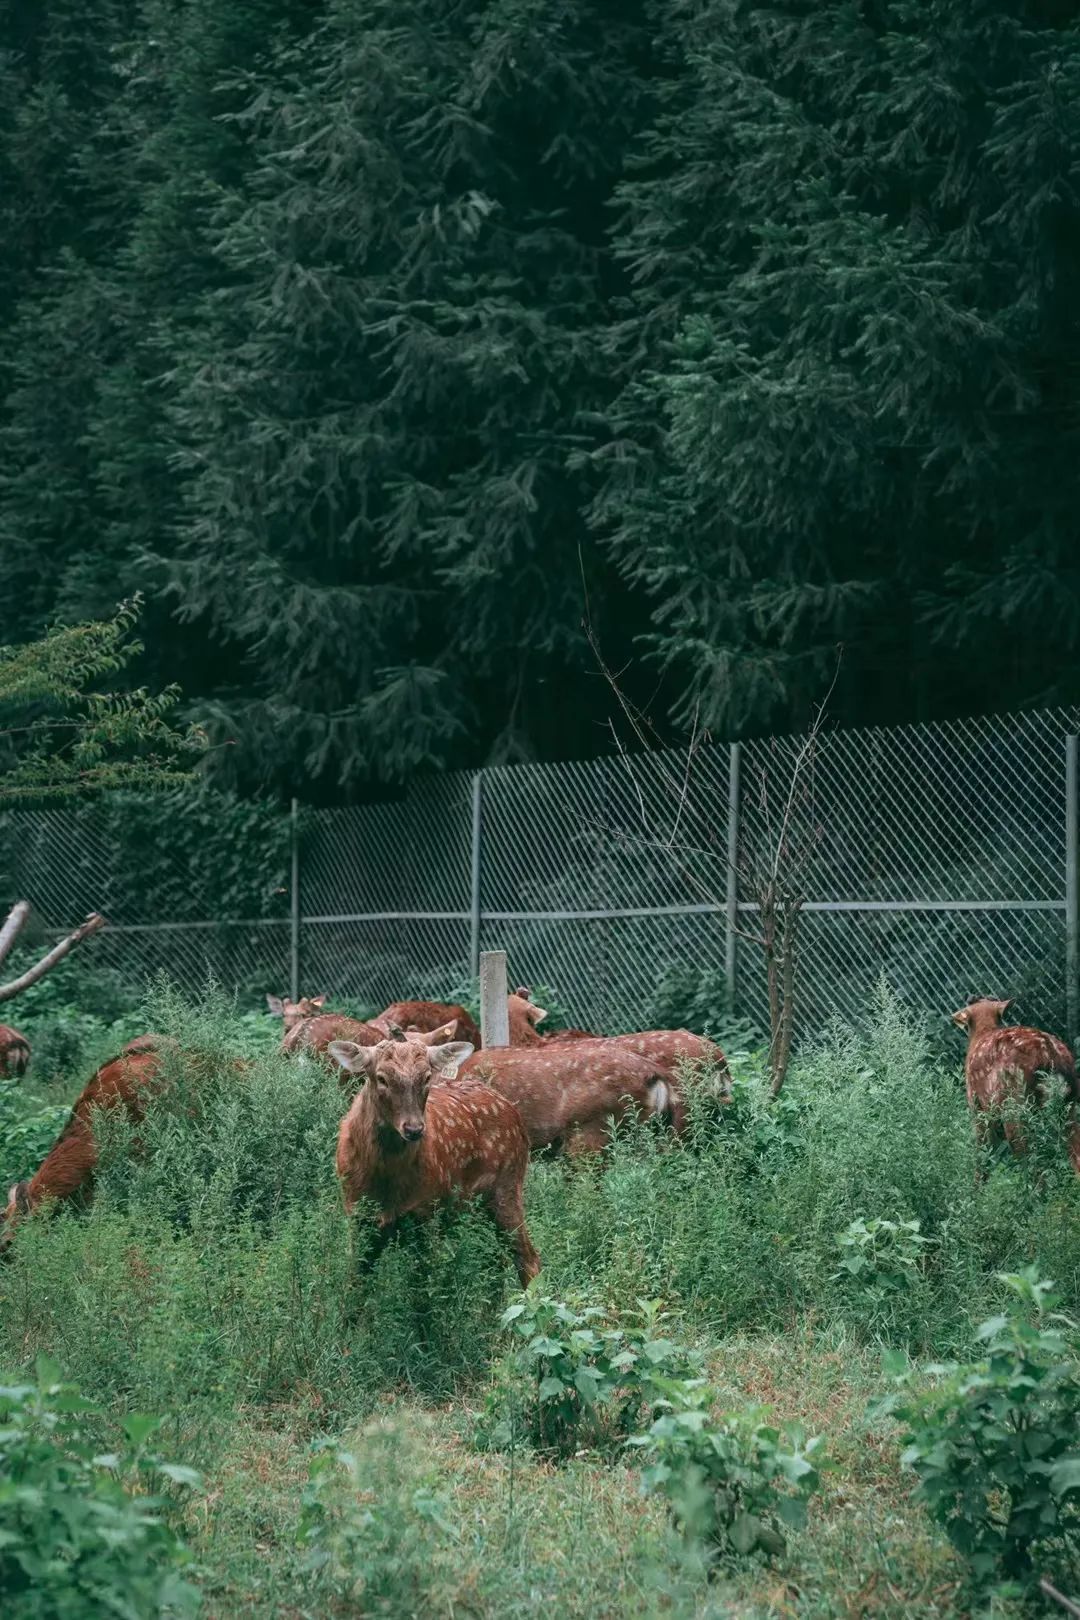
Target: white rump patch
pixel 659 1096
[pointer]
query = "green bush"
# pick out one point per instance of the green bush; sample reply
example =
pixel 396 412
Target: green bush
pixel 27 1132
pixel 880 1258
pixel 376 1553
pixel 577 1378
pixel 732 1481
pixel 698 999
pixel 80 1532
pixel 995 1443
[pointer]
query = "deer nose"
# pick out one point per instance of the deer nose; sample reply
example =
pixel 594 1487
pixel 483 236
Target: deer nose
pixel 412 1133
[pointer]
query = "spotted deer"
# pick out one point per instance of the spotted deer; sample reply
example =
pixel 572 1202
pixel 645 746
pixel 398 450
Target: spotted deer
pixel 524 1018
pixel 309 1029
pixel 416 1135
pixel 669 1047
pixel 14 1053
pixel 1003 1064
pixel 570 1095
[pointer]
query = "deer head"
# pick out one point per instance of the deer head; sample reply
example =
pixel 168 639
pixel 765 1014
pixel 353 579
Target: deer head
pixel 981 1015
pixel 397 1075
pixel 294 1012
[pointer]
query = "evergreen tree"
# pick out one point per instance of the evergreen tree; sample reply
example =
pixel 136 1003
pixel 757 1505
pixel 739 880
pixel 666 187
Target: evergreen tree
pixel 376 419
pixel 852 357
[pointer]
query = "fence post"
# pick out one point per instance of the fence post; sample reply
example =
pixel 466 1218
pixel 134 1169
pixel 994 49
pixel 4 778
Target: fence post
pixel 294 902
pixel 494 1019
pixel 1072 890
pixel 474 876
pixel 731 941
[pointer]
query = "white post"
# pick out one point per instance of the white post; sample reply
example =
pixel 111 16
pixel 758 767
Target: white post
pixel 494 1021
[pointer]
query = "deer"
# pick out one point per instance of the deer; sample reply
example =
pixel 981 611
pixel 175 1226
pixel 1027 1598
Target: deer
pixel 309 1029
pixel 1003 1064
pixel 570 1095
pixel 14 1053
pixel 127 1081
pixel 66 1174
pixel 425 1016
pixel 668 1047
pixel 416 1136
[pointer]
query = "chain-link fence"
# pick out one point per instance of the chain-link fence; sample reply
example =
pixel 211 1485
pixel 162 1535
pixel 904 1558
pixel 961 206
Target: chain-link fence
pixel 946 862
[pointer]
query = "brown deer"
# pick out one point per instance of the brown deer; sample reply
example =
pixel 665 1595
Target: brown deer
pixel 1003 1064
pixel 309 1029
pixel 524 1016
pixel 570 1095
pixel 664 1046
pixel 426 1016
pixel 412 1138
pixel 14 1053
pixel 67 1171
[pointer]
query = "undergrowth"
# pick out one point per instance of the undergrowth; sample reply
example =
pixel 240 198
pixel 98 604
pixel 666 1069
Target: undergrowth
pixel 215 1278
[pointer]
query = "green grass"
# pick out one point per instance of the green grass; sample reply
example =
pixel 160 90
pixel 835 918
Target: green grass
pixel 214 1281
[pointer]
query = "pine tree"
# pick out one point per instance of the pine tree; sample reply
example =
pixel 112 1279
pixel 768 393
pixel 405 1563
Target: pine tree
pixel 851 358
pixel 376 422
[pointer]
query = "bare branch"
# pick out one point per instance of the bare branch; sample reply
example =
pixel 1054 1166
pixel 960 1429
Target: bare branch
pixel 1059 1597
pixel 13 927
pixel 50 959
pixel 809 743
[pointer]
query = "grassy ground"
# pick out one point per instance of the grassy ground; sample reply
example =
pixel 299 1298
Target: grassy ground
pixel 522 1536
pixel 214 1283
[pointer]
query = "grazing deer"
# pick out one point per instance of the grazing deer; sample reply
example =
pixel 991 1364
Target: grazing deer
pixel 668 1047
pixel 14 1053
pixel 67 1171
pixel 412 1138
pixel 426 1016
pixel 1003 1064
pixel 570 1095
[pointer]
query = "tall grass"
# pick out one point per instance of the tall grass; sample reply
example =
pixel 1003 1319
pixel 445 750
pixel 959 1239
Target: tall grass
pixel 216 1270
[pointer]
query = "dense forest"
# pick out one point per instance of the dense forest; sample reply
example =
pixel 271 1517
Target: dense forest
pixel 412 357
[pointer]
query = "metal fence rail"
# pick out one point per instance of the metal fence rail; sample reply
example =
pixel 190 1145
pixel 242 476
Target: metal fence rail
pixel 946 863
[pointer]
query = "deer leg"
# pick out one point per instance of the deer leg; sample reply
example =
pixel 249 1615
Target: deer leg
pixel 1014 1135
pixel 507 1210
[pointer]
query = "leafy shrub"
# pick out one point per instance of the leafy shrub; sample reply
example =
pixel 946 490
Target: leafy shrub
pixel 575 1381
pixel 79 1535
pixel 731 1481
pixel 698 999
pixel 995 1442
pixel 376 1551
pixel 880 1257
pixel 26 1133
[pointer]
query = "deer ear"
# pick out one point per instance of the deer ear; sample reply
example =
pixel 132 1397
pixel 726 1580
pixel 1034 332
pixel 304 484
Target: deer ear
pixel 449 1058
pixel 352 1058
pixel 961 1018
pixel 318 1001
pixel 539 1014
pixel 1003 1006
pixel 276 1006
